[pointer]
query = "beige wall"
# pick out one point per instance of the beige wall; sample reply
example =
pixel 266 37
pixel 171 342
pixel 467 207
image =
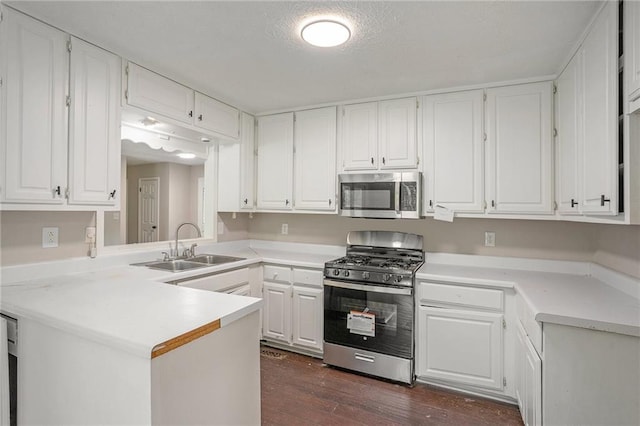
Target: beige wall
pixel 614 246
pixel 233 228
pixel 21 236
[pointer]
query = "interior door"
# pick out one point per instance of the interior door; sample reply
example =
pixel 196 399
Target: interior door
pixel 148 209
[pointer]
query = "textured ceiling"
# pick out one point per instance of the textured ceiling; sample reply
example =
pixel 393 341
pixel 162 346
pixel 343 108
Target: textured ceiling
pixel 249 54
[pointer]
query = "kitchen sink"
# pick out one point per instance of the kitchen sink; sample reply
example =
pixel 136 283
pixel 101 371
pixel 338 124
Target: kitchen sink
pixel 213 259
pixel 176 265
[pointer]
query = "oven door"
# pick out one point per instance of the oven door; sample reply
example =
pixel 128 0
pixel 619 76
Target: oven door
pixel 374 318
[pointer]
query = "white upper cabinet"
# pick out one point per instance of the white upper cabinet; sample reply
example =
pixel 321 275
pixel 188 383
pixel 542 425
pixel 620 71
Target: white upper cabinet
pixel 275 162
pixel 379 135
pixel 359 136
pixel 34 122
pixel 216 116
pixel 632 52
pixel 568 127
pixel 236 163
pixel 158 94
pixel 453 151
pixel 397 134
pixel 94 123
pixel 315 159
pixel 598 150
pixel 519 172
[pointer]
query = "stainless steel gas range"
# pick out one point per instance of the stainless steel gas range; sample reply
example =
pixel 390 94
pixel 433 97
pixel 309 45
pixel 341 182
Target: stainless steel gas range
pixel 369 304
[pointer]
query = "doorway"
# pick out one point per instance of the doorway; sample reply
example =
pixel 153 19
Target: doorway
pixel 148 209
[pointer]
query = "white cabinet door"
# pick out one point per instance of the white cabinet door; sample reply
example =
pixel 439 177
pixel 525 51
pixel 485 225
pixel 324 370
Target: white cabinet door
pixel 315 159
pixel 155 93
pixel 568 119
pixel 275 162
pixel 632 49
pixel 599 147
pixel 276 312
pixel 460 346
pixel 94 123
pixel 397 134
pixel 216 116
pixel 359 136
pixel 236 162
pixel 453 155
pixel 307 320
pixel 34 126
pixel 519 155
pixel 529 379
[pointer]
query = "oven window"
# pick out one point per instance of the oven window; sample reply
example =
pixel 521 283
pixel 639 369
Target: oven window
pixel 349 313
pixel 368 196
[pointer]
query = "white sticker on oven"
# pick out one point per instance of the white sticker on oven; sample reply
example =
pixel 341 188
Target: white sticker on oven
pixel 362 323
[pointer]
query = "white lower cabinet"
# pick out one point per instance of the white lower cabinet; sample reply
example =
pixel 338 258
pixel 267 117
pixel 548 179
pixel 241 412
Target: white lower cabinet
pixel 460 336
pixel 237 281
pixel 460 346
pixel 528 379
pixel 293 307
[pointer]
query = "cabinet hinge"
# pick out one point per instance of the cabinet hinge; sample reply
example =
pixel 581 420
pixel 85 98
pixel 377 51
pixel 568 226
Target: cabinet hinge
pixel 343 111
pixel 66 193
pixel 555 205
pixel 484 137
pixel 68 101
pixel 294 117
pixel 555 89
pixel 417 103
pixel 484 97
pixel 504 381
pixel 1 16
pixel 0 82
pixel 126 94
pixel 126 69
pixel 485 204
pixel 69 45
pixel 255 152
pixel 504 323
pixel 417 160
pixel 555 133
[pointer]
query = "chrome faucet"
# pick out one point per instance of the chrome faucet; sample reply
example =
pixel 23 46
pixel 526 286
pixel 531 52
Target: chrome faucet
pixel 192 250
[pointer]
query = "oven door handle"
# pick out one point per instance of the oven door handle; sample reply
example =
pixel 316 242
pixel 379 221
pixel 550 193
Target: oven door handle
pixel 367 287
pixel 397 200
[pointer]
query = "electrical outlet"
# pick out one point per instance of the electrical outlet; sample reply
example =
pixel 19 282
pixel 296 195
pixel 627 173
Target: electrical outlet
pixel 489 239
pixel 285 229
pixel 90 234
pixel 49 237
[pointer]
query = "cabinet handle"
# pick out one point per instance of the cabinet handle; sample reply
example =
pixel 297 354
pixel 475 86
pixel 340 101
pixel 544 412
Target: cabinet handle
pixel 190 113
pixel 384 161
pixel 371 160
pixel 573 203
pixel 200 117
pixel 286 202
pixel 604 200
pixel 112 194
pixel 493 203
pixel 430 203
pixel 246 200
pixel 329 201
pixel 56 190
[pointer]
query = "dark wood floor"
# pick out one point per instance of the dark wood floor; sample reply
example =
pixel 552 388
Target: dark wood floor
pixel 299 390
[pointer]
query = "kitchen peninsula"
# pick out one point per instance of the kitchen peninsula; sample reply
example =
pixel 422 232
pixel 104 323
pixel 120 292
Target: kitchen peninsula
pixel 115 346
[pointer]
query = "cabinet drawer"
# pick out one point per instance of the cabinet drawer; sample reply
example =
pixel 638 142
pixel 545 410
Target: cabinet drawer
pixel 532 328
pixel 461 296
pixel 311 277
pixel 219 282
pixel 277 273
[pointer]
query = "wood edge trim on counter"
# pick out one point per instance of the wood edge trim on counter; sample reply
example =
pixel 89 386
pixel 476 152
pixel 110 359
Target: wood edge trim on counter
pixel 185 338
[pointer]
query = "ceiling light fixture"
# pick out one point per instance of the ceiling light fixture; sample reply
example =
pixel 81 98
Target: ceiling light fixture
pixel 325 33
pixel 186 155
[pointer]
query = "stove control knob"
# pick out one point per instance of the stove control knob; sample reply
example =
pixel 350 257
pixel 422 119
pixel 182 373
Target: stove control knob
pixel 386 277
pixel 398 278
pixel 336 272
pixel 365 275
pixel 346 273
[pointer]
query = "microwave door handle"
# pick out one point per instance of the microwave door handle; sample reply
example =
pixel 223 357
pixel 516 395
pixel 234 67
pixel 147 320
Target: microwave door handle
pixel 398 183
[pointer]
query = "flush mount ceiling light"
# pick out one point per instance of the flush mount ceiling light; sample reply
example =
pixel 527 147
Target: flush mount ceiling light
pixel 325 33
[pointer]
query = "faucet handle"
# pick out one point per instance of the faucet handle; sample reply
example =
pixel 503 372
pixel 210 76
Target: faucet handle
pixel 192 250
pixel 165 256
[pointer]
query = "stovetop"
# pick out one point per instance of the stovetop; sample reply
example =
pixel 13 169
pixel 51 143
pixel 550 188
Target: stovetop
pixel 398 265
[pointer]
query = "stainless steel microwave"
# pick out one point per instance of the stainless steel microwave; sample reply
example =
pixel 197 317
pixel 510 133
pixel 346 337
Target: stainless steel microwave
pixel 381 195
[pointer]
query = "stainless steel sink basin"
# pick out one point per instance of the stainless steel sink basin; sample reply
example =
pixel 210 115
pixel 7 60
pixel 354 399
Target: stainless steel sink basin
pixel 213 259
pixel 176 265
